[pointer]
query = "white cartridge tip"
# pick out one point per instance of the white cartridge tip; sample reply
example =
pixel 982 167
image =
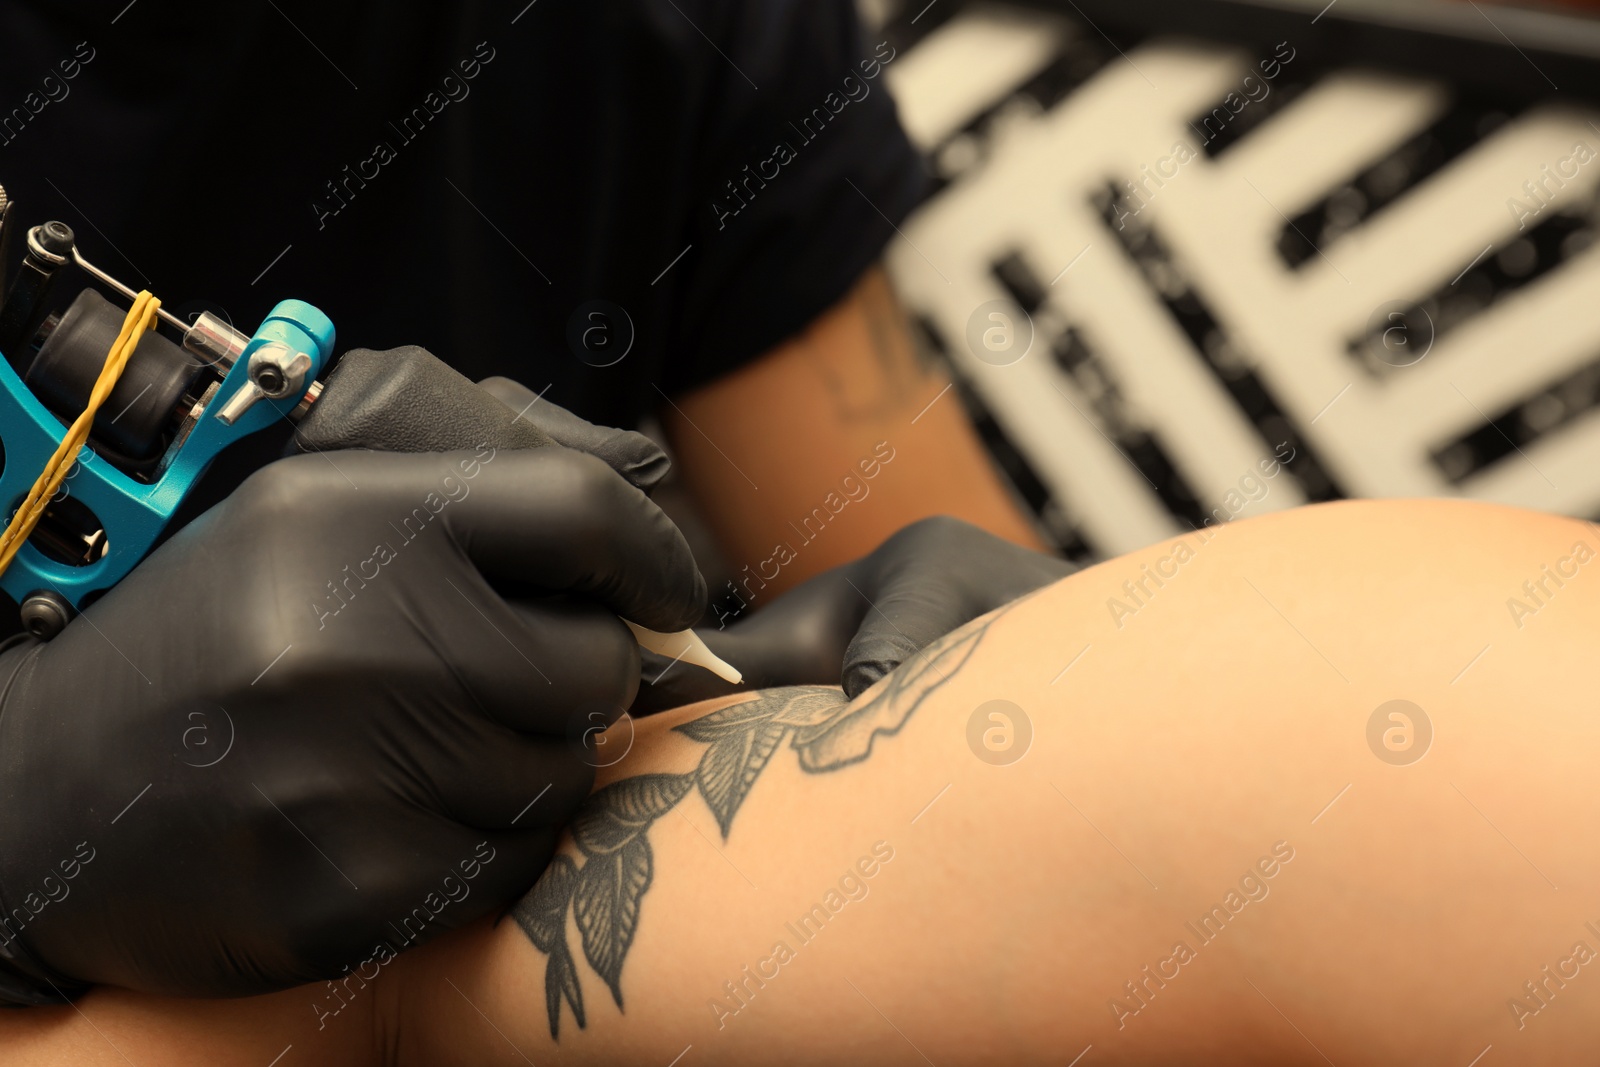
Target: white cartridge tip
pixel 687 646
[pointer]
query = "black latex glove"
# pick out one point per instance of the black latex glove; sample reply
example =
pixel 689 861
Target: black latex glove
pixel 632 455
pixel 408 400
pixel 365 720
pixel 854 624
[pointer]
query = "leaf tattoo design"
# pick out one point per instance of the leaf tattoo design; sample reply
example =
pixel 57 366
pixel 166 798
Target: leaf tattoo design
pixel 606 903
pixel 604 894
pixel 847 738
pixel 743 738
pixel 620 812
pixel 542 914
pixel 611 836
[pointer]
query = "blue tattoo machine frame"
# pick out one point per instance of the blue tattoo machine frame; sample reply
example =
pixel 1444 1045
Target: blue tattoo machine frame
pixel 175 408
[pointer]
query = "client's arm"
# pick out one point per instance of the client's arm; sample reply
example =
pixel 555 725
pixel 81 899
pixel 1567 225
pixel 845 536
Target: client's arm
pixel 1211 845
pixel 1188 834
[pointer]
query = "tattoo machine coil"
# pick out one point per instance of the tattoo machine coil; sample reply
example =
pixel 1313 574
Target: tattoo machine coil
pixel 97 452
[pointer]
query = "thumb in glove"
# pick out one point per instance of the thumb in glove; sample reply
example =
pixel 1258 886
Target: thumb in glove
pixel 854 624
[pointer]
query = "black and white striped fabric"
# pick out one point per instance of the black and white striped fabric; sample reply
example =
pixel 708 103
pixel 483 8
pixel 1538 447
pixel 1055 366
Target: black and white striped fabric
pixel 1183 282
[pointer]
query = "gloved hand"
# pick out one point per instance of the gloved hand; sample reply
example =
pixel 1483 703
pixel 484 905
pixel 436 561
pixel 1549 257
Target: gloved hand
pixel 320 719
pixel 854 624
pixel 849 626
pixel 408 400
pixel 632 455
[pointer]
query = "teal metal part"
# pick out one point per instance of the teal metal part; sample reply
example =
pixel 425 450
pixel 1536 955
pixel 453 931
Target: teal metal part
pixel 133 513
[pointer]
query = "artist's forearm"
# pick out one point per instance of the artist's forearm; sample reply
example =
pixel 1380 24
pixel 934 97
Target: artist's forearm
pixel 817 452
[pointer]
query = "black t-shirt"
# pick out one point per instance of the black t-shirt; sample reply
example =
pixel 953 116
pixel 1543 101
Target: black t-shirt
pixel 471 177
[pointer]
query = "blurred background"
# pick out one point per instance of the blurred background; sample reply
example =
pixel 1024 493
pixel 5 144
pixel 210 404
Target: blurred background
pixel 1174 242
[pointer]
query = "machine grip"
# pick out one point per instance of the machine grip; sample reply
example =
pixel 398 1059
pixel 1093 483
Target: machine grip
pixel 408 400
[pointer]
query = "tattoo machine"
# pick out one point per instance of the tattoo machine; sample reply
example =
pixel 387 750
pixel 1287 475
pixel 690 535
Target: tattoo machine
pixel 98 450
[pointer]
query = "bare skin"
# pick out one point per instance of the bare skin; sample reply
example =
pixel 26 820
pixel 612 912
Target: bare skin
pixel 761 449
pixel 1200 774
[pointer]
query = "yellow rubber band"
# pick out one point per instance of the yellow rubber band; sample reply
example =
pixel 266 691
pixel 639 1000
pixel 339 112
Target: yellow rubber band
pixel 141 318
